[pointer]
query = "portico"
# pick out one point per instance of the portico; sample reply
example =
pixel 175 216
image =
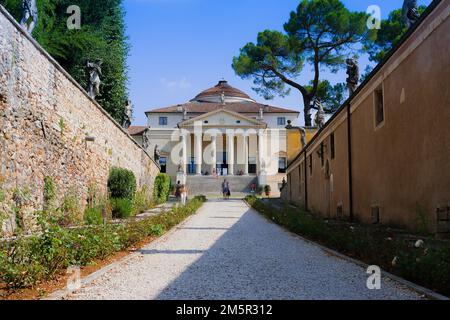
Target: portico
pixel 223 147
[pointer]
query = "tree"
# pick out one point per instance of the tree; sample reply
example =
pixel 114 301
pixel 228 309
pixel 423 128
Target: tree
pixel 331 97
pixel 102 36
pixel 384 39
pixel 320 33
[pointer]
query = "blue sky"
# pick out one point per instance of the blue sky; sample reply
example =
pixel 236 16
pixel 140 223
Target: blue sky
pixel 181 47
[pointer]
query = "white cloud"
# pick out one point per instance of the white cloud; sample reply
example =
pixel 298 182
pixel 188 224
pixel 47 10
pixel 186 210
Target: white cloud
pixel 183 83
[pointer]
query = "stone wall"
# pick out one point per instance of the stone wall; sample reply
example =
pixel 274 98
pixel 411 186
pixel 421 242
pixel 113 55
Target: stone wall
pixel 45 117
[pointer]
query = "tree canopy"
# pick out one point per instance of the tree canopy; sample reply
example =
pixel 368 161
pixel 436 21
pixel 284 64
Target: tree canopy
pixel 102 36
pixel 384 39
pixel 320 34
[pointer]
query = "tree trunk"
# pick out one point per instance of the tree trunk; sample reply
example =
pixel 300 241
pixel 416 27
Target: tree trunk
pixel 307 110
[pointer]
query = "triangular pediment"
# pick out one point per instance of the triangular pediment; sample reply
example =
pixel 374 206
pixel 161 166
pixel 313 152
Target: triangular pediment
pixel 224 118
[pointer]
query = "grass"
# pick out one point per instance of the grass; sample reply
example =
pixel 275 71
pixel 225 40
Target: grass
pixel 428 266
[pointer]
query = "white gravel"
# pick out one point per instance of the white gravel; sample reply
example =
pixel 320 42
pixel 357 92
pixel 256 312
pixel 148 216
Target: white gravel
pixel 228 251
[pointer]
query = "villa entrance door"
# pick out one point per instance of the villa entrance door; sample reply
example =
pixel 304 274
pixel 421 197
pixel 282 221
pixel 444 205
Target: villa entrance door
pixel 222 164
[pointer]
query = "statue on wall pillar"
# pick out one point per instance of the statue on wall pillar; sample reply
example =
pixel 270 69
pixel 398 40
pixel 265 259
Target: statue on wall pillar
pixel 157 154
pixel 29 15
pixel 320 115
pixel 145 140
pixel 303 134
pixel 95 71
pixel 353 75
pixel 128 115
pixel 410 12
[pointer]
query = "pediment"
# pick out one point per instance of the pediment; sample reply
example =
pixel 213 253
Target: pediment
pixel 223 118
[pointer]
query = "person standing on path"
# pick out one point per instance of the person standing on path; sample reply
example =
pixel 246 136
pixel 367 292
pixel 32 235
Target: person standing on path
pixel 178 190
pixel 184 194
pixel 226 189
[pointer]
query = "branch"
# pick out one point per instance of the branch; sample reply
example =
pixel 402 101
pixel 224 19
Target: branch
pixel 289 81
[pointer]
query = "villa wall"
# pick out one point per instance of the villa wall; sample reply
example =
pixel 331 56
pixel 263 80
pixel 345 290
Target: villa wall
pixel 400 166
pixel 45 117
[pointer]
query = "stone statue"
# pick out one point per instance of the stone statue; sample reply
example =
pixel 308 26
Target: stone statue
pixel 29 15
pixel 145 140
pixel 95 71
pixel 320 115
pixel 222 98
pixel 303 133
pixel 128 115
pixel 353 75
pixel 410 12
pixel 157 153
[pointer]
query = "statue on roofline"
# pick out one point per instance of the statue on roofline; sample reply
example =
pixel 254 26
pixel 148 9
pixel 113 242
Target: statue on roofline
pixel 353 75
pixel 95 71
pixel 410 12
pixel 128 115
pixel 157 154
pixel 29 15
pixel 320 115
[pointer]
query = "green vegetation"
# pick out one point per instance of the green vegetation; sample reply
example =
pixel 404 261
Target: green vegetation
pixel 49 193
pixel 28 261
pixel 319 34
pixel 142 201
pixel 392 30
pixel 102 36
pixel 161 191
pixel 121 183
pixel 121 208
pixel 375 245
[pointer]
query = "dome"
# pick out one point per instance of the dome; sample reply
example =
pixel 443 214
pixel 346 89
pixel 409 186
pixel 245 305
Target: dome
pixel 230 94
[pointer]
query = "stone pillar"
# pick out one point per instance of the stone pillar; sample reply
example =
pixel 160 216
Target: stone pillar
pixel 246 153
pixel 261 152
pixel 184 160
pixel 198 153
pixel 214 153
pixel 230 142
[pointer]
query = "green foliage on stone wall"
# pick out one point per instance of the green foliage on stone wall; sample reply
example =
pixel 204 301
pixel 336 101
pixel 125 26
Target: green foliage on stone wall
pixel 102 36
pixel 161 191
pixel 49 193
pixel 121 183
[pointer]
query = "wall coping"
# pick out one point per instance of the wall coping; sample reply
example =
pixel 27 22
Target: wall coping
pixel 70 78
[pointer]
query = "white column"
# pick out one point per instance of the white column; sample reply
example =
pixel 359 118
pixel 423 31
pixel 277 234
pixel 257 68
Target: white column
pixel 261 151
pixel 246 153
pixel 198 152
pixel 184 160
pixel 230 142
pixel 214 153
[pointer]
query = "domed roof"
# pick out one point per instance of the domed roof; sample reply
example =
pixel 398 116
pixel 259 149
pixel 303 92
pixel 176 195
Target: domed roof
pixel 230 94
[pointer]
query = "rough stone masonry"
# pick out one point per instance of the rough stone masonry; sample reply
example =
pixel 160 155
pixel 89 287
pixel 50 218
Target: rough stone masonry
pixel 45 118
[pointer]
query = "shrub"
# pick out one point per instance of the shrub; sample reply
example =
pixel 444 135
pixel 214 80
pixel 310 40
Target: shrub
pixel 70 212
pixel 121 183
pixel 200 198
pixel 161 191
pixel 267 189
pixel 122 208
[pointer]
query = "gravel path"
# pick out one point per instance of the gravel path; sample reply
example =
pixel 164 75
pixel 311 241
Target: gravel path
pixel 228 251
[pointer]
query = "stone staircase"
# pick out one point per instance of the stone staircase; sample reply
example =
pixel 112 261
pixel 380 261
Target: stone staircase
pixel 211 185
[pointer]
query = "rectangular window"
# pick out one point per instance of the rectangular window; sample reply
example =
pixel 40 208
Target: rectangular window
pixel 379 106
pixel 332 147
pixel 281 121
pixel 163 163
pixel 163 121
pixel 282 165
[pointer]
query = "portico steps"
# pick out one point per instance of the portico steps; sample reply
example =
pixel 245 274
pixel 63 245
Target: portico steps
pixel 213 185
